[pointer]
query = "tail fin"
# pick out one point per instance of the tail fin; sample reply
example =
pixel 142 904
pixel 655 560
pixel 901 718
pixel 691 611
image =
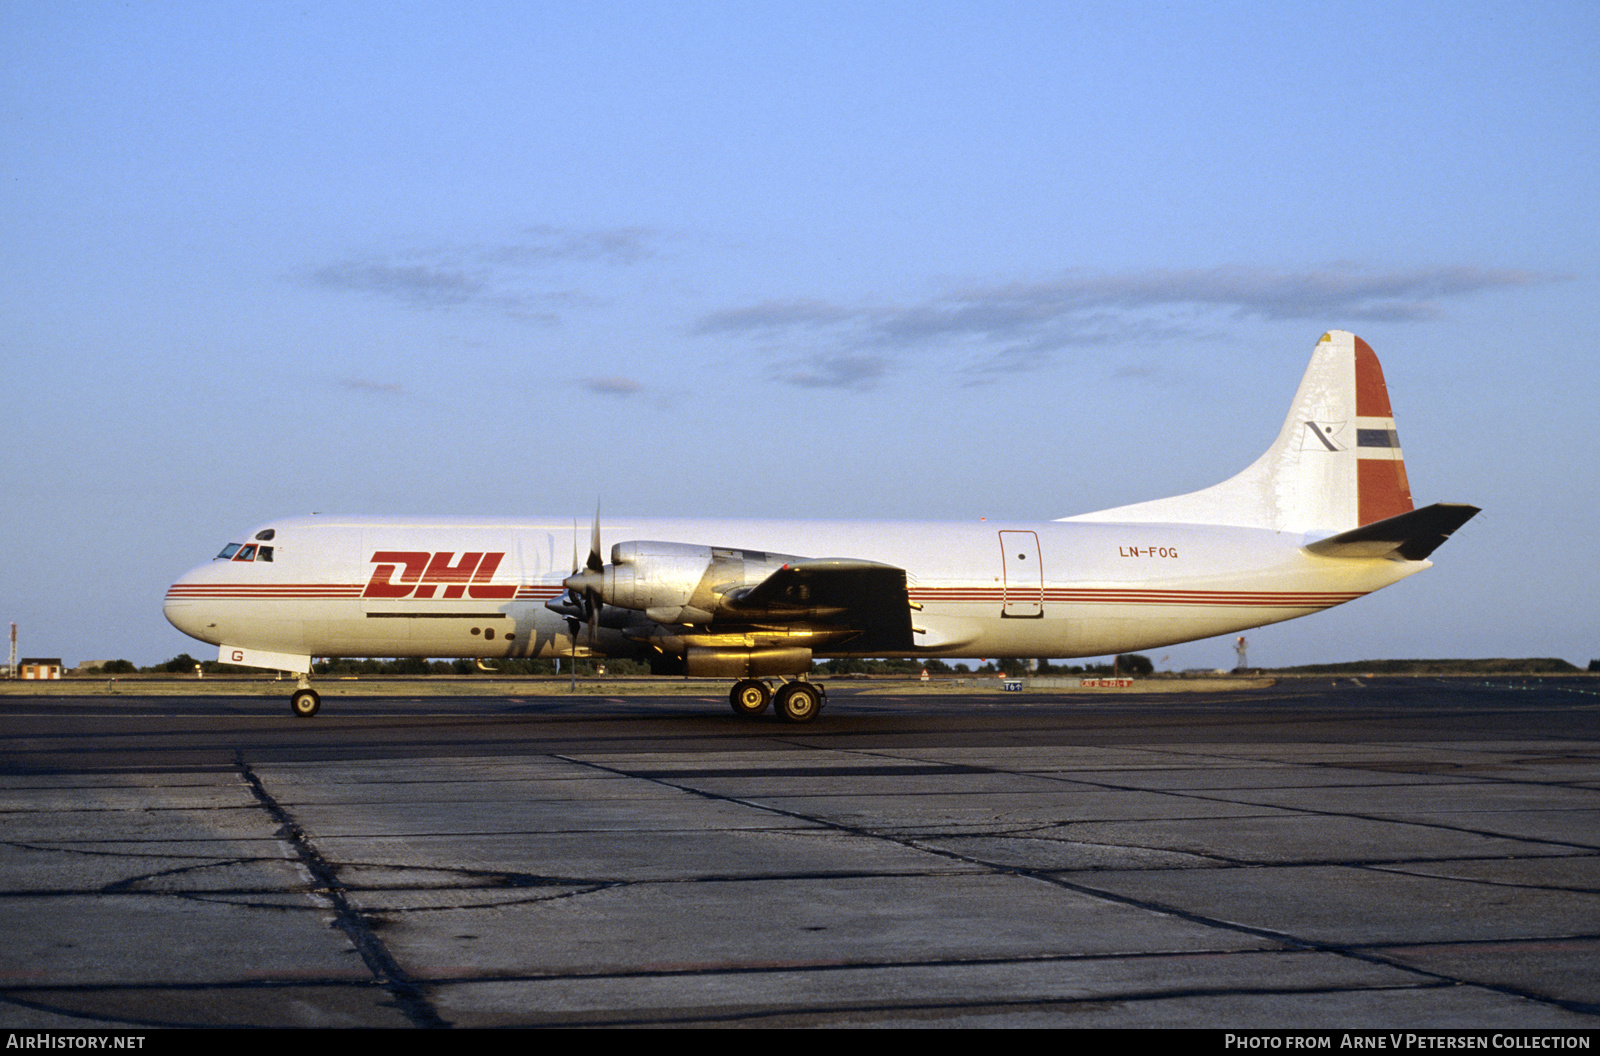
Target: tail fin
pixel 1336 464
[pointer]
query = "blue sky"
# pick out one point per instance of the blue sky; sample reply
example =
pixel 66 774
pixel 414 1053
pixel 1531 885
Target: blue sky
pixel 927 260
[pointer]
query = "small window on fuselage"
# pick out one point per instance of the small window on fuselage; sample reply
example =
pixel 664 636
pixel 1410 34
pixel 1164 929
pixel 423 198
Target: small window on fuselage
pixel 265 535
pixel 228 551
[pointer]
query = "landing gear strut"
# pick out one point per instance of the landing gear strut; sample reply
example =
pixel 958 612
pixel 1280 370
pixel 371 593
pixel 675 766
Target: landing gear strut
pixel 305 701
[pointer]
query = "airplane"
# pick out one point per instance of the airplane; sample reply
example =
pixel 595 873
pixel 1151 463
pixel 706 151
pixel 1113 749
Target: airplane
pixel 1324 517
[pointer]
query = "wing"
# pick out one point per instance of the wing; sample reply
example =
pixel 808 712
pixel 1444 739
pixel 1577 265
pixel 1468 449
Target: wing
pixel 862 602
pixel 697 607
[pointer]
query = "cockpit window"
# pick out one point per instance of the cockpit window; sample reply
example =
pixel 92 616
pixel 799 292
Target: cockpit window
pixel 264 554
pixel 228 551
pixel 265 535
pixel 246 554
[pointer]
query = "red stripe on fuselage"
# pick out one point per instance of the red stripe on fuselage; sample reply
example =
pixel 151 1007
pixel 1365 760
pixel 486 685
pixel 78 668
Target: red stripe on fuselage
pixel 958 595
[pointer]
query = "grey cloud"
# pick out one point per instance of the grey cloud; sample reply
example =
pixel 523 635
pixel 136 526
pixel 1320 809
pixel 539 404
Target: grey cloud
pixel 414 283
pixel 1014 327
pixel 1054 310
pixel 382 388
pixel 613 386
pixel 514 277
pixel 835 372
pixel 774 315
pixel 1349 292
pixel 543 244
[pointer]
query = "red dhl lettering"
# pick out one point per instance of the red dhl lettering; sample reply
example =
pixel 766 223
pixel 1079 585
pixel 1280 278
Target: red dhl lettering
pixel 422 574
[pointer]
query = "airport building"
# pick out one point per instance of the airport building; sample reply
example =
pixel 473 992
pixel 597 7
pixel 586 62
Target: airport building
pixel 39 667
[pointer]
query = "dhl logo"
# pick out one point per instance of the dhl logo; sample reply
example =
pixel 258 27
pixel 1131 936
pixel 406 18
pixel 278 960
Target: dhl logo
pixel 425 573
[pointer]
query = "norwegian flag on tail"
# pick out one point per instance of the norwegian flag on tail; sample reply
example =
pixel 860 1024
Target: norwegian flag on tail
pixel 1382 490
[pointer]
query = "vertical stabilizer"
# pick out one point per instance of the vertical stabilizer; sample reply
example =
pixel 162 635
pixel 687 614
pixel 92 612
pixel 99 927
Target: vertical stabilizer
pixel 1381 486
pixel 1336 464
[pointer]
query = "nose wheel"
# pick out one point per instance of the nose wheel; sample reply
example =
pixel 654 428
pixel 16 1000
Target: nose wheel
pixel 305 701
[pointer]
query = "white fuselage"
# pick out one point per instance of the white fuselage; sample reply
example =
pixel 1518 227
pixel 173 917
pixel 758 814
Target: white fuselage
pixel 384 586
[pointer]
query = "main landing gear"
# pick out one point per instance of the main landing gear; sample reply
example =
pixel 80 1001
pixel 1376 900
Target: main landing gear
pixel 305 701
pixel 793 702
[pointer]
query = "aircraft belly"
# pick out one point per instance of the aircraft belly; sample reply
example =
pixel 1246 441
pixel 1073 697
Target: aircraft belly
pixel 1069 631
pixel 1104 634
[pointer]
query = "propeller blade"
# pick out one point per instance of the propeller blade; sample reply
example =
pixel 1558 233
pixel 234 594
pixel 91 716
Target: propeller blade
pixel 596 565
pixel 596 562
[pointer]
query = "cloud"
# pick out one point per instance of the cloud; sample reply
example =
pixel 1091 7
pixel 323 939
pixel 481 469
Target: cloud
pixel 1012 327
pixel 613 386
pixel 514 277
pixel 413 283
pixel 834 372
pixel 382 388
pixel 772 316
pixel 542 244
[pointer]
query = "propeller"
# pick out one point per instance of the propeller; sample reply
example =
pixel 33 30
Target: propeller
pixel 582 599
pixel 595 579
pixel 572 623
pixel 570 603
pixel 586 582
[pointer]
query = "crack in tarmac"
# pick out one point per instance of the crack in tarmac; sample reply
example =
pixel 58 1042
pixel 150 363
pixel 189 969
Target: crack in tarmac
pixel 407 995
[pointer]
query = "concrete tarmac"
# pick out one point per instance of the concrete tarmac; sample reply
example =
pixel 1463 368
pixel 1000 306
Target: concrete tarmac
pixel 1394 853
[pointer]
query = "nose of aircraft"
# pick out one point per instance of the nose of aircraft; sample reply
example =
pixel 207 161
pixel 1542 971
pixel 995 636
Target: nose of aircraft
pixel 186 607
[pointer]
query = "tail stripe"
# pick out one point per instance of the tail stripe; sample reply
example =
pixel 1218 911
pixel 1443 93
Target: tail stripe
pixel 1382 490
pixel 1372 395
pixel 1381 487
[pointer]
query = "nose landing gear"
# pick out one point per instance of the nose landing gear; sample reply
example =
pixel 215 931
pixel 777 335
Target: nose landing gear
pixel 305 701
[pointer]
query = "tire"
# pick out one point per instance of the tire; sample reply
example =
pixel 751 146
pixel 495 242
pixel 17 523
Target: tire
pixel 305 703
pixel 749 697
pixel 798 702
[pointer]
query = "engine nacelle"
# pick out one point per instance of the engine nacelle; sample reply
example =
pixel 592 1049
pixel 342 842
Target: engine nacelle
pixel 675 582
pixel 719 662
pixel 661 576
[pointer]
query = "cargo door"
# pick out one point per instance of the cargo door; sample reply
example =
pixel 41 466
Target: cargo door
pixel 1022 593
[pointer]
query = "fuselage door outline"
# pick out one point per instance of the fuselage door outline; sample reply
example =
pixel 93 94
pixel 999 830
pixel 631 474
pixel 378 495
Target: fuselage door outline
pixel 1022 583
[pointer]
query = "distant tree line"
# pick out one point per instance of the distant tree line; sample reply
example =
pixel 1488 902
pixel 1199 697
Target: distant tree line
pixel 1126 664
pixel 1532 665
pixel 416 666
pixel 510 665
pixel 182 664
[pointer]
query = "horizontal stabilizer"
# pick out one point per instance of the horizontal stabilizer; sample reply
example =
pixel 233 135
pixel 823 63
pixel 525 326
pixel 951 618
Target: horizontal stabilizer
pixel 1411 536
